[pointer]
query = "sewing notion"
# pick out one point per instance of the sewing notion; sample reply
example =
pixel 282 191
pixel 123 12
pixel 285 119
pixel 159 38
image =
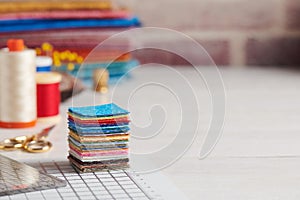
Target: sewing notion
pixel 100 79
pixel 48 96
pixel 43 63
pixel 17 86
pixel 16 177
pixel 32 143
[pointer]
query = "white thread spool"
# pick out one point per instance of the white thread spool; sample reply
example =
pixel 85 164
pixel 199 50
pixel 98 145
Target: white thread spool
pixel 43 63
pixel 17 88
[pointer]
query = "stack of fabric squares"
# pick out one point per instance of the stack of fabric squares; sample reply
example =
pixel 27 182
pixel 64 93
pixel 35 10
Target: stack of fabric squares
pixel 98 137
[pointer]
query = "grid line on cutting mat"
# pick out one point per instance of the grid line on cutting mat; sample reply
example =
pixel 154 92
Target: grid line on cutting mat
pixel 105 188
pixel 106 185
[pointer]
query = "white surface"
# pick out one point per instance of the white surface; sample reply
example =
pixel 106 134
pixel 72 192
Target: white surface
pixel 258 155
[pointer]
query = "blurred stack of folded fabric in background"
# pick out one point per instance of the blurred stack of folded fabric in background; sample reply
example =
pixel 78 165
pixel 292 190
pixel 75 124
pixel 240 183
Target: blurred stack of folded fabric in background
pixel 69 30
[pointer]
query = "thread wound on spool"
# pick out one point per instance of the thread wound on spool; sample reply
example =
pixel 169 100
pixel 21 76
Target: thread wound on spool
pixel 43 63
pixel 48 94
pixel 15 45
pixel 18 87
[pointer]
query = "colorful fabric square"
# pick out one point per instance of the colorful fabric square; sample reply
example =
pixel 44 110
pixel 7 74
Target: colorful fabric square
pixel 98 137
pixel 99 111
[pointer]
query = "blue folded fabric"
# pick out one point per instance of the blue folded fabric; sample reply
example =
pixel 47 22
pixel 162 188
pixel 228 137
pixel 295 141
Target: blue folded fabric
pixel 105 110
pixel 46 24
pixel 86 125
pixel 86 70
pixel 86 132
pixel 95 128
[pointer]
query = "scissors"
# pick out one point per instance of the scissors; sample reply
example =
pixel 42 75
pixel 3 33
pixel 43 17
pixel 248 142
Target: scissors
pixel 32 143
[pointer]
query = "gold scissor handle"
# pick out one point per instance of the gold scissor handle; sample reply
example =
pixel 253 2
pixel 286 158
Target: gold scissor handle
pixel 14 143
pixel 37 146
pixel 33 143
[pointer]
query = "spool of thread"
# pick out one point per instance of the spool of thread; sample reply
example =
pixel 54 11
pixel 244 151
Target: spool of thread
pixel 17 86
pixel 100 78
pixel 48 96
pixel 43 63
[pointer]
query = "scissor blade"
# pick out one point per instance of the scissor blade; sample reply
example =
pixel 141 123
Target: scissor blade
pixel 44 133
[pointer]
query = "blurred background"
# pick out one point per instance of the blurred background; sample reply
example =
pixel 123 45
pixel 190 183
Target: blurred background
pixel 234 32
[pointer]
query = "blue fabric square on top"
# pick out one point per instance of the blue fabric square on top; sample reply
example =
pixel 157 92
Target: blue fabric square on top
pixel 105 110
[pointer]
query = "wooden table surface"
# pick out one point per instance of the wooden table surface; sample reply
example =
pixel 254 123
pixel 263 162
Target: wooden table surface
pixel 258 154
